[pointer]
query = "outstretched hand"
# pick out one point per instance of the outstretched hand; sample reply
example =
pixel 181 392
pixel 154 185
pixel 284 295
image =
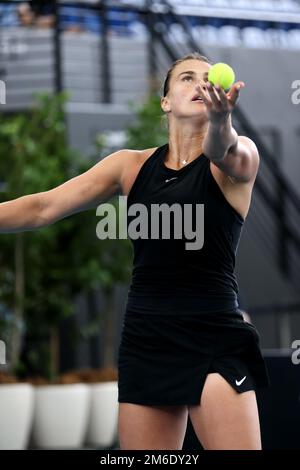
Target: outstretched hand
pixel 219 104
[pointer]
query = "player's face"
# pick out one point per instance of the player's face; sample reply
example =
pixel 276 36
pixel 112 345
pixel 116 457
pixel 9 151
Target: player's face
pixel 180 100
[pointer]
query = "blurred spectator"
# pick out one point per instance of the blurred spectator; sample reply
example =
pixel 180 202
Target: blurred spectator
pixel 41 13
pixel 44 11
pixel 37 13
pixel 76 19
pixel 26 15
pixel 72 18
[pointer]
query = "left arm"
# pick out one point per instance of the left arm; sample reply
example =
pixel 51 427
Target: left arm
pixel 237 156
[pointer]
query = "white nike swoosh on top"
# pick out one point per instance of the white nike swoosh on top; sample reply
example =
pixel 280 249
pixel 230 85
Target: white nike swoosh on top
pixel 241 381
pixel 175 177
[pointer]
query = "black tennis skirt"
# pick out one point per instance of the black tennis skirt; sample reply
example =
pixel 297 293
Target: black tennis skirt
pixel 164 359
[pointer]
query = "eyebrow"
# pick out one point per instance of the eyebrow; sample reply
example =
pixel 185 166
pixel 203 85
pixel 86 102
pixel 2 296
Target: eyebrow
pixel 191 72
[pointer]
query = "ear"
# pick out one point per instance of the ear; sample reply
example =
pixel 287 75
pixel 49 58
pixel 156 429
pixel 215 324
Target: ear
pixel 164 102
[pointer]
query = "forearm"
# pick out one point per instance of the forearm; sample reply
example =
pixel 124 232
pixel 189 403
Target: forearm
pixel 20 215
pixel 218 139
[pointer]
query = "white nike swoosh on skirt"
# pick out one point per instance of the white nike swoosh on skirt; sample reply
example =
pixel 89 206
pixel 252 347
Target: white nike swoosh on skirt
pixel 240 381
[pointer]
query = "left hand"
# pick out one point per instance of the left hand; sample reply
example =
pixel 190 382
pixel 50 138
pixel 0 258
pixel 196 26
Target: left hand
pixel 219 104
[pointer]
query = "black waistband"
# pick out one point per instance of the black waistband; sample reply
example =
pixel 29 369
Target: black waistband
pixel 180 305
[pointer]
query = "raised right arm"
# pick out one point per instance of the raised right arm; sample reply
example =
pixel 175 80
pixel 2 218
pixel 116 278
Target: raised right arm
pixel 83 192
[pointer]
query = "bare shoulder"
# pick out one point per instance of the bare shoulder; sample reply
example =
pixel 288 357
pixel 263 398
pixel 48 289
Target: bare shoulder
pixel 118 162
pixel 126 157
pixel 136 155
pixel 86 191
pixel 134 160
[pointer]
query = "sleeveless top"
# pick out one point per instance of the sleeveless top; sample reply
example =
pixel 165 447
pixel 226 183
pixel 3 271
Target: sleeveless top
pixel 168 278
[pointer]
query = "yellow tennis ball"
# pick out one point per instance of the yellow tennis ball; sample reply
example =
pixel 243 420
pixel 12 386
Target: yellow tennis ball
pixel 221 74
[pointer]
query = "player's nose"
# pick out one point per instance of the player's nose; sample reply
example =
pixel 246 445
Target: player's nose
pixel 202 83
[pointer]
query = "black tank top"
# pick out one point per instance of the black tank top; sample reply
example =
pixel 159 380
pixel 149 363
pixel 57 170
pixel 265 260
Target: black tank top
pixel 166 277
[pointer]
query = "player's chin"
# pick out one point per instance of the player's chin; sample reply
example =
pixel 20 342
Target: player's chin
pixel 200 115
pixel 198 107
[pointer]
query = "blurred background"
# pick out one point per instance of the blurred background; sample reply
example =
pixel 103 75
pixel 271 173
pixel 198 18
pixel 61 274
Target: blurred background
pixel 81 80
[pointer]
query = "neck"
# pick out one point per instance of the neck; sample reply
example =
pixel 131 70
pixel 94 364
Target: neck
pixel 185 144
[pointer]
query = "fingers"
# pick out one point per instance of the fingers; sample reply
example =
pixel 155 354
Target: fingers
pixel 222 96
pixel 210 97
pixel 215 96
pixel 234 92
pixel 214 93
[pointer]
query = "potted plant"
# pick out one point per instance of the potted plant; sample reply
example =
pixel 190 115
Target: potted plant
pixel 16 398
pixel 102 426
pixel 16 411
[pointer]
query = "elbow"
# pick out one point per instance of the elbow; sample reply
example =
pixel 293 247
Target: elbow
pixel 41 218
pixel 240 173
pixel 41 223
pixel 240 178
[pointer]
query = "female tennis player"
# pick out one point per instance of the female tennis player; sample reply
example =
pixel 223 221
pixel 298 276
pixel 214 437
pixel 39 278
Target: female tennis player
pixel 185 349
